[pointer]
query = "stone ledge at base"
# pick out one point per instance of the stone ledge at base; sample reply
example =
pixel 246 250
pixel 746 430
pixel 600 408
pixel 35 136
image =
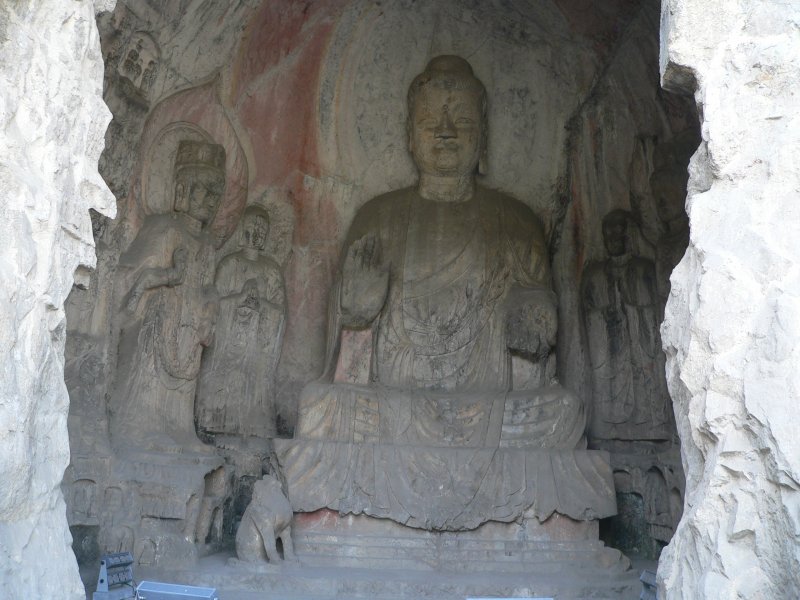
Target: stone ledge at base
pixel 327 539
pixel 303 582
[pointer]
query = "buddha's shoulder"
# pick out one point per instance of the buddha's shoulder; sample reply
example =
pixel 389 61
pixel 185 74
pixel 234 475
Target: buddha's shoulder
pixel 385 203
pixel 512 209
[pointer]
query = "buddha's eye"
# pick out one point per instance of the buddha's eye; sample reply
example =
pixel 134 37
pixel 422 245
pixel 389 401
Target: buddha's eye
pixel 464 121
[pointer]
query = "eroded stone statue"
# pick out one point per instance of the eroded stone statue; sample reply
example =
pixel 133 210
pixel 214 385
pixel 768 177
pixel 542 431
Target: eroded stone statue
pixel 267 518
pixel 453 279
pixel 168 310
pixel 621 315
pixel 235 394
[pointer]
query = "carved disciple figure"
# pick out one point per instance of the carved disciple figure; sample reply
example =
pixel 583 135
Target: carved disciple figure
pixel 621 315
pixel 168 311
pixel 139 63
pixel 236 392
pixel 453 279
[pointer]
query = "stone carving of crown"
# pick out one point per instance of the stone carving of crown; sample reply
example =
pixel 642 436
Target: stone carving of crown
pixel 200 154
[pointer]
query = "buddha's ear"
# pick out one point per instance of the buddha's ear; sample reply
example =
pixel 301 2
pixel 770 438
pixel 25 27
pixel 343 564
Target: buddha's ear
pixel 181 201
pixel 483 162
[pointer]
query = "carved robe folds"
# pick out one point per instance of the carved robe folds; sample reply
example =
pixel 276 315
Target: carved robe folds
pixel 440 440
pixel 162 342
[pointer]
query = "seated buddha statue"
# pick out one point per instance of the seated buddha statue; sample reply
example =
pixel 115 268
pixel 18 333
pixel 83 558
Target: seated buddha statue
pixel 453 280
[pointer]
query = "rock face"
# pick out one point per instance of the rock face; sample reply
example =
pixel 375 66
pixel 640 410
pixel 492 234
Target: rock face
pixel 733 363
pixel 53 119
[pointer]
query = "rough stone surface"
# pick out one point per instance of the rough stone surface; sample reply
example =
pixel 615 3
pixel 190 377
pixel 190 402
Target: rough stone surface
pixel 732 317
pixel 52 119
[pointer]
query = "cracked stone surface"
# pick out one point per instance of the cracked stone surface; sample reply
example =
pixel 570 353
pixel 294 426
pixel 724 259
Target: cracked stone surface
pixel 53 119
pixel 733 365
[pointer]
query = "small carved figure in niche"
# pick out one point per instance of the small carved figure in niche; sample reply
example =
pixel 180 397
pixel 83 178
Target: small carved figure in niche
pixel 209 520
pixel 621 316
pixel 268 517
pixel 145 552
pixel 168 310
pixel 83 500
pixel 139 65
pixel 236 391
pixel 114 536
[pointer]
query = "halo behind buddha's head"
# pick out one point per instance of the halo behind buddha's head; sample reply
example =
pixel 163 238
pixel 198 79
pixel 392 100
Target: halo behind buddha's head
pixel 452 72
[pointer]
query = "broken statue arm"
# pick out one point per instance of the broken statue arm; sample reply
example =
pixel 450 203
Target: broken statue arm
pixel 155 277
pixel 530 307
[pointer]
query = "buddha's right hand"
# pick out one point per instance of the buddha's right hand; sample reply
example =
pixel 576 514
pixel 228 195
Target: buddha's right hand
pixel 178 270
pixel 365 282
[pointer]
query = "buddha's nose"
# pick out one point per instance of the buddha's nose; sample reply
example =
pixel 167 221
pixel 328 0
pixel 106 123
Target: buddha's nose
pixel 445 129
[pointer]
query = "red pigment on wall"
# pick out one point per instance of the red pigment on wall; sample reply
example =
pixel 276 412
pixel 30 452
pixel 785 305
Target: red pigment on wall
pixel 602 22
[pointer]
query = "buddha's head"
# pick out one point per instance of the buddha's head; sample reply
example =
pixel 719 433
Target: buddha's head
pixel 447 118
pixel 199 179
pixel 255 228
pixel 615 232
pixel 669 189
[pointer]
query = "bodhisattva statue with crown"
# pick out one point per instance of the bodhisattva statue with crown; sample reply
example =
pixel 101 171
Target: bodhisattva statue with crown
pixel 168 308
pixel 454 281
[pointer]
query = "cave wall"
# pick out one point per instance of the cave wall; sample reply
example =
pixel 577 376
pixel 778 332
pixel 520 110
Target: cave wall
pixel 53 119
pixel 314 95
pixel 308 100
pixel 731 322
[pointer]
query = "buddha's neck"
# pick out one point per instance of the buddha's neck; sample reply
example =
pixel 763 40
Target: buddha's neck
pixel 678 226
pixel 193 225
pixel 444 188
pixel 250 253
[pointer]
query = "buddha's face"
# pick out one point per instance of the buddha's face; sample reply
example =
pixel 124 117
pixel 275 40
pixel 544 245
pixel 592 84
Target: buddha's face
pixel 615 235
pixel 669 190
pixel 445 137
pixel 256 230
pixel 200 191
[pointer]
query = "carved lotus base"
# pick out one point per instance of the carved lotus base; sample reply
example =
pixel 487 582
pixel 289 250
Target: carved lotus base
pixel 446 489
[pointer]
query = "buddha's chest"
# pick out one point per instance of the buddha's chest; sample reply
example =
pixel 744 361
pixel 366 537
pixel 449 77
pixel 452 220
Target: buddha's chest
pixel 445 270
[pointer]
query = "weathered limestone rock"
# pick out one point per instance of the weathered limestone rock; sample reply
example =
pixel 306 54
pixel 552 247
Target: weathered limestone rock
pixel 732 319
pixel 52 120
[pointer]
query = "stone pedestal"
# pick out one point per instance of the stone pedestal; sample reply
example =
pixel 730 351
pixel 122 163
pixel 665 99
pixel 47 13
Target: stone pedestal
pixel 326 539
pixel 443 482
pixel 159 506
pixel 442 462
